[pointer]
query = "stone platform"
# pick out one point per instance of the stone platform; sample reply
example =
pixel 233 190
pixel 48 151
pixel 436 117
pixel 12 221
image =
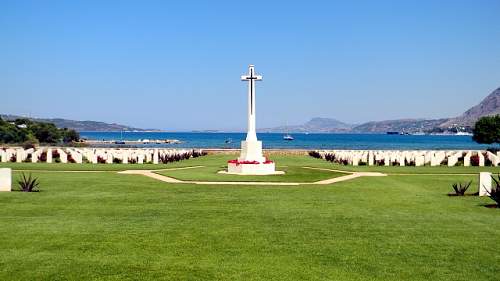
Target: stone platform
pixel 236 167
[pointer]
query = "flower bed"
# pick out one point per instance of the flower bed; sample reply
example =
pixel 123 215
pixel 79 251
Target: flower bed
pixel 237 162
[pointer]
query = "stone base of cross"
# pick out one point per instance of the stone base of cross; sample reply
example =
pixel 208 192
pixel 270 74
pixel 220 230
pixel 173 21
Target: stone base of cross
pixel 251 160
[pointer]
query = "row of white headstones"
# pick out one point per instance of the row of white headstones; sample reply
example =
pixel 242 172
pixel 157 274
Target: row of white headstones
pixel 91 155
pixel 411 157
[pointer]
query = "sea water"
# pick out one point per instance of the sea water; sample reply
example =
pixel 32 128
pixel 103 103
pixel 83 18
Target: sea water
pixel 301 141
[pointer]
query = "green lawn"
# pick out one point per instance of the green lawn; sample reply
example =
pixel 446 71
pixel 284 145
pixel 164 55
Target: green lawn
pixel 96 167
pixel 107 226
pixel 292 166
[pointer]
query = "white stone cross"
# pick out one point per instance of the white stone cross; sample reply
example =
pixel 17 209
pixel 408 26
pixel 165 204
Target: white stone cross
pixel 251 77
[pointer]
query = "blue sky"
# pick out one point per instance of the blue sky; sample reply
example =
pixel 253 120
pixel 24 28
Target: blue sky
pixel 176 65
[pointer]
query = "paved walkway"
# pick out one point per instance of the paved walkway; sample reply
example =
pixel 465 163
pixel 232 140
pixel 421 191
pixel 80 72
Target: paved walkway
pixel 350 176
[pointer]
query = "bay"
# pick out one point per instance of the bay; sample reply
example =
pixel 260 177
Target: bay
pixel 301 141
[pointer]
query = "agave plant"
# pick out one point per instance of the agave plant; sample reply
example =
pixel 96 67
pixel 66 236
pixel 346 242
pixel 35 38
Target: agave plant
pixel 28 183
pixel 461 188
pixel 495 190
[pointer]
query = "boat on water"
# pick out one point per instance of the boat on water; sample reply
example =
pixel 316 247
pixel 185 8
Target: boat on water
pixel 288 137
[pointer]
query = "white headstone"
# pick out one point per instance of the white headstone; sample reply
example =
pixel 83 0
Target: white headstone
pixel 420 160
pixel 49 155
pixel 355 160
pixel 484 183
pixel 493 158
pixel 5 179
pixel 467 159
pixel 3 155
pixel 453 159
pixel 370 158
pixel 427 157
pixel 155 156
pixel 387 159
pixel 34 156
pixel 20 155
pixel 63 156
pixel 77 156
pixel 124 157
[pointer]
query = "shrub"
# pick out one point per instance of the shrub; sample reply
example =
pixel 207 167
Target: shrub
pixel 71 159
pixel 197 153
pixel 101 160
pixel 487 161
pixel 56 157
pixel 409 162
pixel 461 188
pixel 474 160
pixel 314 154
pixel 30 144
pixel 495 190
pixel 117 161
pixel 43 157
pixel 28 183
pixel 330 157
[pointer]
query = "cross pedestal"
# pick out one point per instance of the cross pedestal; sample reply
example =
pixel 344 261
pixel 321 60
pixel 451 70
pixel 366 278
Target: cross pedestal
pixel 251 151
pixel 251 160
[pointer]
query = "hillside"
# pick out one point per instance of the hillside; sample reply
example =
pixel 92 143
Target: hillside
pixel 81 125
pixel 315 125
pixel 488 106
pixel 401 125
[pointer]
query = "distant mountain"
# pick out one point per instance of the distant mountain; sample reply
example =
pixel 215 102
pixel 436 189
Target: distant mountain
pixel 400 125
pixel 81 125
pixel 489 106
pixel 315 125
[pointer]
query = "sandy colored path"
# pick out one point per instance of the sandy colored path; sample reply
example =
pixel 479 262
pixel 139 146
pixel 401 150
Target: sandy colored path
pixel 349 176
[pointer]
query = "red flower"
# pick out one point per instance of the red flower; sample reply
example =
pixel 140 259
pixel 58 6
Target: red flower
pixel 237 162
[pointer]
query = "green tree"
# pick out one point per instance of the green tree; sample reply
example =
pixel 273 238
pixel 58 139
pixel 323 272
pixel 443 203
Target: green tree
pixel 487 130
pixel 30 132
pixel 10 133
pixel 70 135
pixel 46 132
